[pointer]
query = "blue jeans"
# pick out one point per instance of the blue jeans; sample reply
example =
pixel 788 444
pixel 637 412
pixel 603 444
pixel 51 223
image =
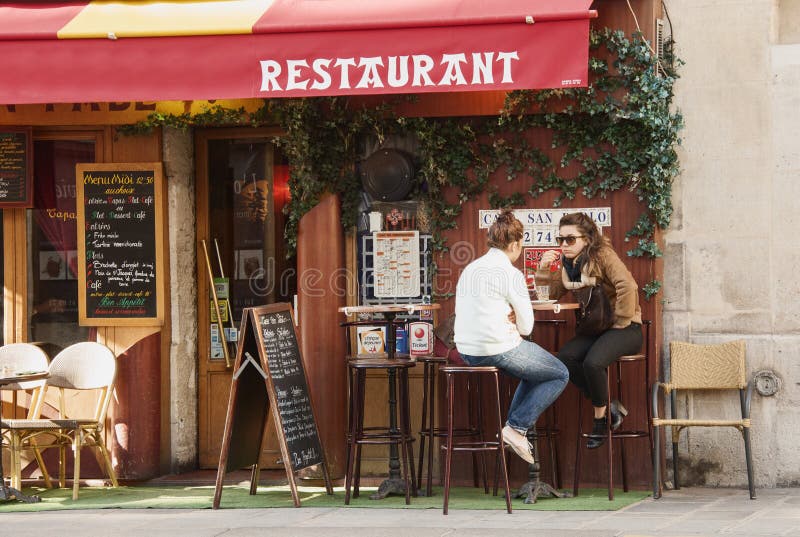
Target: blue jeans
pixel 543 377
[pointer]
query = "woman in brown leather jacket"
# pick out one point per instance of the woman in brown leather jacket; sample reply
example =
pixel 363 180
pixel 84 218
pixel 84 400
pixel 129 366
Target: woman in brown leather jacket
pixel 589 259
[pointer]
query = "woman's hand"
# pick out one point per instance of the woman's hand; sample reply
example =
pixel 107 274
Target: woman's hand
pixel 512 317
pixel 549 257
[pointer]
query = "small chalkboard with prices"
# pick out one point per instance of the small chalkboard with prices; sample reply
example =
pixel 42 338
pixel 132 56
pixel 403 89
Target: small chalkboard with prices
pixel 16 167
pixel 269 373
pixel 120 244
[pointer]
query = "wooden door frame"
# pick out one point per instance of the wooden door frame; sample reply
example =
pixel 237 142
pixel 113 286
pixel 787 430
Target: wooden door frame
pixel 15 236
pixel 203 232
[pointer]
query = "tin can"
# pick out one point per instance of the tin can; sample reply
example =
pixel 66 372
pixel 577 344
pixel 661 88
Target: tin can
pixel 420 338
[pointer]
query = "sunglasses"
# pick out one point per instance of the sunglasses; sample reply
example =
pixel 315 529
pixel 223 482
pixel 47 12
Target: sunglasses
pixel 570 240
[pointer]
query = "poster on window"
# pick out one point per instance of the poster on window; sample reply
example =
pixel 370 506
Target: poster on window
pixel 532 257
pixel 396 264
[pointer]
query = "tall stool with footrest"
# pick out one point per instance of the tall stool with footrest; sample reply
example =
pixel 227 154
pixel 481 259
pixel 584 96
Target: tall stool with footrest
pixel 624 434
pixel 483 445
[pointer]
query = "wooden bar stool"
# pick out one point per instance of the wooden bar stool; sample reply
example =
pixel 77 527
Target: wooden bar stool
pixel 623 434
pixel 483 445
pixel 359 436
pixel 429 431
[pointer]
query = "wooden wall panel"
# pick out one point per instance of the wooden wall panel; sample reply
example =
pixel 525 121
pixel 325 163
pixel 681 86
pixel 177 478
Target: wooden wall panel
pixel 320 258
pixel 468 241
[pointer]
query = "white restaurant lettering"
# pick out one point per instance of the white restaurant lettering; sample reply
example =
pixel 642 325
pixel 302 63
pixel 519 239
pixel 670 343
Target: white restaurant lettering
pixel 370 72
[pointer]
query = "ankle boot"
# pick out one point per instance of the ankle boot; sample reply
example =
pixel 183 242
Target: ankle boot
pixel 598 435
pixel 618 412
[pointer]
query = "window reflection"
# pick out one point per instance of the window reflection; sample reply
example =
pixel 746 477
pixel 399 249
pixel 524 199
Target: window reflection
pixel 52 250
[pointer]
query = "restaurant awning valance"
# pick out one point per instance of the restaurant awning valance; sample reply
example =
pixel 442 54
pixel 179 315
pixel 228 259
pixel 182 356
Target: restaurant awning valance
pixel 103 51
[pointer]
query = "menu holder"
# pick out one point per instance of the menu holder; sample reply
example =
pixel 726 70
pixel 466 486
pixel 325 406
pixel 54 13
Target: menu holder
pixel 269 373
pixel 16 167
pixel 120 244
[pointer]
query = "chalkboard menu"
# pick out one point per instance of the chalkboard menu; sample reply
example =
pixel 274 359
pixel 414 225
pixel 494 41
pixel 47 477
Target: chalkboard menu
pixel 268 333
pixel 291 389
pixel 16 168
pixel 120 244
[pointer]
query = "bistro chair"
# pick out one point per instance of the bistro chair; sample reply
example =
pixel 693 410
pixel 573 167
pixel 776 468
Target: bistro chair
pixel 703 367
pixel 86 367
pixel 623 434
pixel 23 357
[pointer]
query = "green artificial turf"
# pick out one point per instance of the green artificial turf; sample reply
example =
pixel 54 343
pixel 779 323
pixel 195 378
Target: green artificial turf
pixel 237 497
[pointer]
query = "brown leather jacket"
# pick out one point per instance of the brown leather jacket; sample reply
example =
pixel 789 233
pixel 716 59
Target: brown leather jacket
pixel 617 281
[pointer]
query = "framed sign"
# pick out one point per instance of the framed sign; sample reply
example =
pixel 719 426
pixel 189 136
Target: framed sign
pixel 120 244
pixel 269 375
pixel 16 167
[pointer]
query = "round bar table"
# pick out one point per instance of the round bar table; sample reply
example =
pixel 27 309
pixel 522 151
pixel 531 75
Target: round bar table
pixel 394 484
pixel 6 492
pixel 535 487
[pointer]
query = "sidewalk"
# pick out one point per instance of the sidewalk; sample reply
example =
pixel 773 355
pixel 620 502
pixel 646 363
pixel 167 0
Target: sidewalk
pixel 688 512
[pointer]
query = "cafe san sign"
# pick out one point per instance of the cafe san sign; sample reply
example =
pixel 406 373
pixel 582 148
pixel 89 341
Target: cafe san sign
pixel 541 225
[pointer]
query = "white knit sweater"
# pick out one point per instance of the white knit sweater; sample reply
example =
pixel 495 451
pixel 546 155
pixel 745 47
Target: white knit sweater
pixel 487 290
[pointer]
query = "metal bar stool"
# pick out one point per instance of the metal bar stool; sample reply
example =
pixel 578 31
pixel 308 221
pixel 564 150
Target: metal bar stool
pixel 359 436
pixel 429 431
pixel 623 434
pixel 483 445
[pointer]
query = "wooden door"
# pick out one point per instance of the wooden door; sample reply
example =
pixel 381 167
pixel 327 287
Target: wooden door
pixel 241 190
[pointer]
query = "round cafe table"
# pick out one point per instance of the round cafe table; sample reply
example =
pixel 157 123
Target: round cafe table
pixel 6 492
pixel 394 484
pixel 535 487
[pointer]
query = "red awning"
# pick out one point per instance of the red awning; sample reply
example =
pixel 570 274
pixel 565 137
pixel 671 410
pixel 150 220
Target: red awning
pixel 215 49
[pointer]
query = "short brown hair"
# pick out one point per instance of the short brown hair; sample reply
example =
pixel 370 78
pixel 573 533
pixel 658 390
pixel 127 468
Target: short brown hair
pixel 505 230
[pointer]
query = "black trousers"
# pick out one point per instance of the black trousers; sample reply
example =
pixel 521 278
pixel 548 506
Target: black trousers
pixel 587 358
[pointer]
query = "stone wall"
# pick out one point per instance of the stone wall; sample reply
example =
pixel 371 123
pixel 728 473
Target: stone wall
pixel 730 252
pixel 179 164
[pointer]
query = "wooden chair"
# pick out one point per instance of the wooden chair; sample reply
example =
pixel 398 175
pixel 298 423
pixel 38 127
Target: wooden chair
pixel 86 366
pixel 703 367
pixel 23 357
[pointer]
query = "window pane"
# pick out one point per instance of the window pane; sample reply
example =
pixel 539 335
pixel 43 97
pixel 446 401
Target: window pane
pixel 53 248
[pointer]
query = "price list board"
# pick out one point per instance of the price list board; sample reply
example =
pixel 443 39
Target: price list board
pixel 16 168
pixel 288 378
pixel 120 244
pixel 269 373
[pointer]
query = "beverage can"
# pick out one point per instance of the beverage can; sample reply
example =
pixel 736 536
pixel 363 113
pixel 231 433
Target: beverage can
pixel 420 337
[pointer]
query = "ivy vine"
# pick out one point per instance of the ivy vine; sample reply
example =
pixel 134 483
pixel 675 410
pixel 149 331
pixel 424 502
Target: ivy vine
pixel 620 131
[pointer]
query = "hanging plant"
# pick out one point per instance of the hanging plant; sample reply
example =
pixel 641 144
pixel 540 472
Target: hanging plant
pixel 620 131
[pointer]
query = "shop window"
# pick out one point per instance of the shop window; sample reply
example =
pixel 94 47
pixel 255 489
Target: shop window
pixel 53 246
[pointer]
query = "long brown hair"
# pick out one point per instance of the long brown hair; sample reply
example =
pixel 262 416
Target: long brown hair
pixel 595 240
pixel 505 230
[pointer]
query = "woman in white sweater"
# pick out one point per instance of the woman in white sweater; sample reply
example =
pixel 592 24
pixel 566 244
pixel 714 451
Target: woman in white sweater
pixel 493 312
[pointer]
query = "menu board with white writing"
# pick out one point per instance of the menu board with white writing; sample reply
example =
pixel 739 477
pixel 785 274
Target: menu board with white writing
pixel 269 375
pixel 286 371
pixel 16 168
pixel 120 244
